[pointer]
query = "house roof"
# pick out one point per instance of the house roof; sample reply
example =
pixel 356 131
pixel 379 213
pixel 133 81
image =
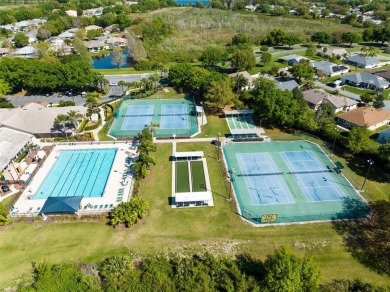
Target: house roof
pixel 27 50
pixel 293 57
pixel 243 73
pixel 287 85
pixel 340 101
pixel 365 116
pixel 113 40
pixel 336 51
pixel 93 44
pixel 368 78
pixel 11 142
pixel 314 96
pixel 328 67
pixel 21 118
pixel 93 27
pixel 4 51
pixel 366 61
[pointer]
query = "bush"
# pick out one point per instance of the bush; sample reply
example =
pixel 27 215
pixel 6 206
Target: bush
pixel 129 213
pixel 144 65
pixel 82 125
pixel 66 103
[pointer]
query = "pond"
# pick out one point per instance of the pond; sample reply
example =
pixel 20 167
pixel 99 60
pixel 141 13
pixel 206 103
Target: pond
pixel 104 61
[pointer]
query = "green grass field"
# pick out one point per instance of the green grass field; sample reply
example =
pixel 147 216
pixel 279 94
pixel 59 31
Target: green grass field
pixel 216 229
pixel 182 177
pixel 215 125
pixel 198 179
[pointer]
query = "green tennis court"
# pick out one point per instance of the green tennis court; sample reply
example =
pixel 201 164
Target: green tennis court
pixel 198 179
pixel 286 182
pixel 182 177
pixel 167 117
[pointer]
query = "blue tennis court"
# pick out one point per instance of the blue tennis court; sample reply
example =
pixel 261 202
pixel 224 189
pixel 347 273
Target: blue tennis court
pixel 263 181
pixel 137 117
pixel 174 116
pixel 78 173
pixel 317 185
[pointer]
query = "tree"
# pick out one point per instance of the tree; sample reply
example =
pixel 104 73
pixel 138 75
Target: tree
pixel 275 37
pixel 129 213
pixel 240 82
pixel 369 51
pixel 21 40
pixel 265 57
pixel 61 120
pixel 322 37
pixel 243 60
pixel 358 139
pixel 122 84
pixel 288 272
pixel 325 113
pixel 92 100
pixel 366 98
pixel 292 40
pixel 123 20
pixel 311 50
pixel 81 34
pixel 3 215
pixel 240 39
pixel 379 100
pixel 135 47
pixel 42 49
pixel 74 117
pixel 179 75
pixel 219 94
pixel 118 58
pixel 351 37
pixel 211 56
pixel 6 44
pixel 4 88
pixel 115 270
pixel 303 69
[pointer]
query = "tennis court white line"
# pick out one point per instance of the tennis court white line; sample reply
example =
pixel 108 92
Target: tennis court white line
pixel 250 183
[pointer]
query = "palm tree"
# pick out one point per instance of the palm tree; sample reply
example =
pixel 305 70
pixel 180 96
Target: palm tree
pixel 122 84
pixel 154 79
pixel 61 121
pixel 240 82
pixel 75 117
pixel 101 81
pixel 92 99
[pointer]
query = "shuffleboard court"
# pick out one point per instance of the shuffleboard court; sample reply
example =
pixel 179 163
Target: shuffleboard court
pixel 287 182
pixel 198 178
pixel 182 177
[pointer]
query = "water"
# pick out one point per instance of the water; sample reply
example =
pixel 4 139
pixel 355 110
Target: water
pixel 186 2
pixel 104 62
pixel 78 173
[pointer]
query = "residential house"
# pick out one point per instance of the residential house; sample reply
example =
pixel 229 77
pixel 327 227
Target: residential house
pixel 292 59
pixel 25 52
pixel 384 136
pixel 287 85
pixel 95 46
pixel 68 34
pixel 341 103
pixel 364 117
pixel 330 52
pixel 383 73
pixel 93 27
pixel 116 42
pixel 93 12
pixel 111 28
pixel 363 61
pixel 329 69
pixel 315 97
pixel 21 119
pixel 71 13
pixel 365 80
pixel 247 76
pixel 12 144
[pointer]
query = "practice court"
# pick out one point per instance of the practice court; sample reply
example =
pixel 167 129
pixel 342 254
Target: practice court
pixel 166 117
pixel 286 181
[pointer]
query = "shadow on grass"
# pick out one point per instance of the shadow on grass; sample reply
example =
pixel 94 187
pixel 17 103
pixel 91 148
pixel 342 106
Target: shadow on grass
pixel 366 235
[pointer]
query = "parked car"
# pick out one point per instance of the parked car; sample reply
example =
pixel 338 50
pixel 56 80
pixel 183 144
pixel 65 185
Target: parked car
pixel 4 188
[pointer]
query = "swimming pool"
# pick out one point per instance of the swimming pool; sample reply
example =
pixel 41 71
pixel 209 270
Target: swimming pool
pixel 78 173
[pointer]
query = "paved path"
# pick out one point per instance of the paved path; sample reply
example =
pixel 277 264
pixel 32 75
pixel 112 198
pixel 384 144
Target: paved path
pixel 342 92
pixel 96 131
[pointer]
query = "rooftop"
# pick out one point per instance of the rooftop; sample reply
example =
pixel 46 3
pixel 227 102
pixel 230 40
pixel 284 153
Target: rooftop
pixel 366 116
pixel 11 142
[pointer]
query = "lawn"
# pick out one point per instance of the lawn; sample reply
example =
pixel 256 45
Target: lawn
pixel 357 90
pixel 171 94
pixel 215 125
pixel 218 230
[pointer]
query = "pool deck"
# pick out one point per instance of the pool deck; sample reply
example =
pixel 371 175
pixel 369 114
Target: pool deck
pixel 27 206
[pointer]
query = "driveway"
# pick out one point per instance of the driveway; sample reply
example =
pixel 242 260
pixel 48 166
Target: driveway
pixel 342 92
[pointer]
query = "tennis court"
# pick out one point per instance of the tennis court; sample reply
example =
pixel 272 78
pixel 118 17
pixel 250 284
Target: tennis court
pixel 286 182
pixel 167 117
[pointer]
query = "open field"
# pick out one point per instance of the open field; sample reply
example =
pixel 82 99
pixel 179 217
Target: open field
pixel 216 229
pixel 215 125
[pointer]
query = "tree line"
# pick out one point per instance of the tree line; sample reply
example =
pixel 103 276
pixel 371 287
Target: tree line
pixel 281 271
pixel 42 76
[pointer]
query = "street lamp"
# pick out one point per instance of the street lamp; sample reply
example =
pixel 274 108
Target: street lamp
pixel 370 163
pixel 335 137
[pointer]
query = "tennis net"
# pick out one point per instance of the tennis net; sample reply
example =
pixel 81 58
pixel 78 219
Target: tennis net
pixel 139 115
pixel 312 171
pixel 261 174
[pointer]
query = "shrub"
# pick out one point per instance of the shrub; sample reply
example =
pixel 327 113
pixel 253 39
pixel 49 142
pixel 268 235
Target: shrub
pixel 129 213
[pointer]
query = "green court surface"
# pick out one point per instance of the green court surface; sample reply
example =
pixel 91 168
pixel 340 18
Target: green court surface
pixel 182 177
pixel 285 182
pixel 167 118
pixel 198 179
pixel 240 122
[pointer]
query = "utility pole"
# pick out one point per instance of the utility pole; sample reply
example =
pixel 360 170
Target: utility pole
pixel 370 163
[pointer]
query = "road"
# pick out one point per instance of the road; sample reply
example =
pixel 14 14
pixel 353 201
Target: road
pixel 115 91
